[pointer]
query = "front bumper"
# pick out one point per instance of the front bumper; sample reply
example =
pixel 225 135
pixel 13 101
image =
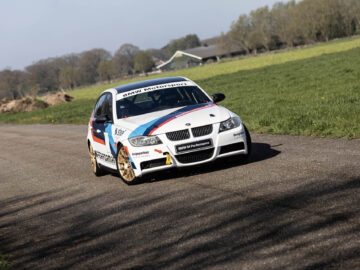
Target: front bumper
pixel 153 158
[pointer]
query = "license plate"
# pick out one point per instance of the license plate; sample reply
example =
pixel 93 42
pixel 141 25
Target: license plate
pixel 193 146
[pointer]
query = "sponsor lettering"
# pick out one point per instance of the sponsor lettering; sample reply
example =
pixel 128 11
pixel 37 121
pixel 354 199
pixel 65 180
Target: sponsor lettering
pixel 192 146
pixel 143 153
pixel 104 157
pixel 153 88
pixel 119 132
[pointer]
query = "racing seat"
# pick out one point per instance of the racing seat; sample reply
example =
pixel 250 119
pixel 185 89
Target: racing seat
pixel 170 99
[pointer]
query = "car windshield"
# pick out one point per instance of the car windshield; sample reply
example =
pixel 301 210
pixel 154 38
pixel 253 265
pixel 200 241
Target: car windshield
pixel 158 100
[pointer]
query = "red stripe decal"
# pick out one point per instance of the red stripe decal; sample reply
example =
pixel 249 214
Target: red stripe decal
pixel 91 119
pixel 181 114
pixel 96 139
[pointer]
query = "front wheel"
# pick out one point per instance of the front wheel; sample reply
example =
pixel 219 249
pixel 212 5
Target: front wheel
pixel 248 142
pixel 124 166
pixel 248 145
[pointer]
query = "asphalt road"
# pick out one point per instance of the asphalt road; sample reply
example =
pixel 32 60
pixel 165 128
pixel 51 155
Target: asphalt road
pixel 294 205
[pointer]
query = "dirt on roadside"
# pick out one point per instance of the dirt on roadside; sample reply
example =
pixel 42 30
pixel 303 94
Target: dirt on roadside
pixel 22 105
pixel 59 97
pixel 27 104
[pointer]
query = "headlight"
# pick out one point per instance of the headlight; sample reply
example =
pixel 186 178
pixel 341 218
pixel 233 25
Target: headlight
pixel 231 123
pixel 145 141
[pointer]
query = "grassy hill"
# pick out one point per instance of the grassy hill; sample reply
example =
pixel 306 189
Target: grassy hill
pixel 309 91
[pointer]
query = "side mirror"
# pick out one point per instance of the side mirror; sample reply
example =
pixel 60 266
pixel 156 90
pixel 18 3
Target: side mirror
pixel 102 119
pixel 218 97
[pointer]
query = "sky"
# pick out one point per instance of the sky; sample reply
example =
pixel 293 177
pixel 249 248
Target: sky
pixel 38 29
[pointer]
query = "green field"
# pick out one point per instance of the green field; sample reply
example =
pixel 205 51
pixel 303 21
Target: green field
pixel 311 91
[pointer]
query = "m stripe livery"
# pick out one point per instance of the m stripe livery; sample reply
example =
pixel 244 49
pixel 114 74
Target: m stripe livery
pixel 150 127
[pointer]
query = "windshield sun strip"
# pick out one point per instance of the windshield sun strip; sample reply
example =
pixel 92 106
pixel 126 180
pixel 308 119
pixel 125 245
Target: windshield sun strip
pixel 153 88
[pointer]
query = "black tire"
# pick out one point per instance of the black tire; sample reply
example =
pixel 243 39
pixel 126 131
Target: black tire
pixel 245 157
pixel 97 170
pixel 124 166
pixel 248 142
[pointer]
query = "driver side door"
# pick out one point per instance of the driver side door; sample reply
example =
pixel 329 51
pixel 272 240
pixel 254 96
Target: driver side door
pixel 101 143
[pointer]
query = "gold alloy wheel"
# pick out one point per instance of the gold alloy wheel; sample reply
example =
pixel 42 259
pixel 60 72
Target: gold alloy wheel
pixel 124 165
pixel 93 158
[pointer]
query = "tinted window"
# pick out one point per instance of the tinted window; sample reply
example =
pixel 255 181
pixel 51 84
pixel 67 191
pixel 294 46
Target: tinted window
pixel 107 107
pixel 99 105
pixel 160 100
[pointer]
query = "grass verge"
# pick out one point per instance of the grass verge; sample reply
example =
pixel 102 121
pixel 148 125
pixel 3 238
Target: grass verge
pixel 312 97
pixel 247 63
pixel 297 95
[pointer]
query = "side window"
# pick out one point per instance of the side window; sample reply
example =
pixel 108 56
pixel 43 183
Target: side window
pixel 107 108
pixel 99 106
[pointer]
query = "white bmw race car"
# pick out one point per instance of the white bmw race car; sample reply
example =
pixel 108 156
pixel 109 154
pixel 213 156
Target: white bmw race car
pixel 159 124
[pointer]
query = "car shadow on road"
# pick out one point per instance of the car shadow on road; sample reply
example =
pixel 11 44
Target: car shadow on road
pixel 260 152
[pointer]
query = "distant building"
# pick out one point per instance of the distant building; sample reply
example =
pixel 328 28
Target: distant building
pixel 197 56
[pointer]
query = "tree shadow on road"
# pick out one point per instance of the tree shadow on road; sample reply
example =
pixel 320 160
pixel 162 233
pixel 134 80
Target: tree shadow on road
pixel 312 226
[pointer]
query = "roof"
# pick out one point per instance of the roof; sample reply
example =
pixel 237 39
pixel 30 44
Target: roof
pixel 202 53
pixel 142 84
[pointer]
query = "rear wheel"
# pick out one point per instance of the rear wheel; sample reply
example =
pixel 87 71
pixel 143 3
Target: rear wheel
pixel 124 166
pixel 94 165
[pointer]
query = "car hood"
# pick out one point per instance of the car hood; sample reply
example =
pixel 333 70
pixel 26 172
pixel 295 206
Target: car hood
pixel 174 119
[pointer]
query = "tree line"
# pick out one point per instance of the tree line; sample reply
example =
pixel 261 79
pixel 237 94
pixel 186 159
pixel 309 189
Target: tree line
pixel 89 67
pixel 291 24
pixel 284 25
pixel 70 71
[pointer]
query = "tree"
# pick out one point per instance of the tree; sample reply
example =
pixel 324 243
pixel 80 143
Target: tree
pixel 123 60
pixel 240 31
pixel 69 77
pixel 158 54
pixel 13 83
pixel 106 70
pixel 256 40
pixel 89 63
pixel 284 21
pixel 261 26
pixel 184 43
pixel 45 74
pixel 143 62
pixel 224 45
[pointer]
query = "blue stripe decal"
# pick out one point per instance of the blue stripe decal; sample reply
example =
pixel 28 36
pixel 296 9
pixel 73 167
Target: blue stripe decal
pixel 141 130
pixel 111 139
pixel 146 128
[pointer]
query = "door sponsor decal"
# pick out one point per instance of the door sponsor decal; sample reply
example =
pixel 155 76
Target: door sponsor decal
pixel 104 157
